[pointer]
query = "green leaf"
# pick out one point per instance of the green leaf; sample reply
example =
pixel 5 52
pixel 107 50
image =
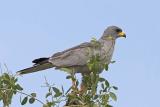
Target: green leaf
pixel 113 62
pixel 6 81
pixel 18 87
pixel 14 92
pixel 33 94
pixel 95 97
pixel 49 89
pixel 77 83
pixel 15 80
pixel 113 96
pixel 45 105
pixel 106 67
pixel 7 76
pixel 105 89
pixel 109 106
pixel 107 97
pixel 49 104
pixel 114 87
pixel 31 100
pixel 106 83
pixel 56 90
pixel 101 79
pixel 102 85
pixel 69 77
pixel 48 94
pixel 58 94
pixel 24 101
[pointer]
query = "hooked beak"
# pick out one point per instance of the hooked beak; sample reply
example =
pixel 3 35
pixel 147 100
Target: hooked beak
pixel 121 34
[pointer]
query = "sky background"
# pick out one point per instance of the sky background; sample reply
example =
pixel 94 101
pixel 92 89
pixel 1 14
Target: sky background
pixel 31 29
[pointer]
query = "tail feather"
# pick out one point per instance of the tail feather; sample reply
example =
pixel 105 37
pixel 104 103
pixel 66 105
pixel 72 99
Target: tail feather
pixel 40 60
pixel 35 68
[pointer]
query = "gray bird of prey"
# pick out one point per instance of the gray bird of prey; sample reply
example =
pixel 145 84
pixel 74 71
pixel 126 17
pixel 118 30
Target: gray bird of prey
pixel 75 59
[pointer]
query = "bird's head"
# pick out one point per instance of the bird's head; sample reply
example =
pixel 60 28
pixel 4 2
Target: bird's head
pixel 113 32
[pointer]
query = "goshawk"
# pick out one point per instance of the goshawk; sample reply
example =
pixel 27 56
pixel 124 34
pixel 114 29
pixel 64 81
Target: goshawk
pixel 75 59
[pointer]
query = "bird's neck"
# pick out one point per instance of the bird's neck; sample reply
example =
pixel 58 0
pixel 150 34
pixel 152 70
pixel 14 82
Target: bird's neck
pixel 107 40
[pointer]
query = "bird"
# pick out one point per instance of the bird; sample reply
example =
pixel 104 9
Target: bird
pixel 75 59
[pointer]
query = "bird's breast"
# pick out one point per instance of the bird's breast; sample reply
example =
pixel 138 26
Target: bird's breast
pixel 107 51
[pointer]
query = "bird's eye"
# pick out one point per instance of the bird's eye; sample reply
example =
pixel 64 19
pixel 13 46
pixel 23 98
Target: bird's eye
pixel 118 30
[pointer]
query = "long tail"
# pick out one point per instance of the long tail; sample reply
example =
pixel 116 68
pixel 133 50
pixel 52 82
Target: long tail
pixel 39 66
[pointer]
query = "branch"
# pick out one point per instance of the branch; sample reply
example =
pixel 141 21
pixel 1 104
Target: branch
pixel 23 94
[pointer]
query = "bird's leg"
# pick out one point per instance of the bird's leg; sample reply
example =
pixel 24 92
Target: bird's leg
pixel 83 86
pixel 74 82
pixel 73 78
pixel 73 95
pixel 83 89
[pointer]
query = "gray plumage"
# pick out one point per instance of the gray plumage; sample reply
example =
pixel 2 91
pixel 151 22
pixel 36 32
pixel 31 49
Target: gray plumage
pixel 75 59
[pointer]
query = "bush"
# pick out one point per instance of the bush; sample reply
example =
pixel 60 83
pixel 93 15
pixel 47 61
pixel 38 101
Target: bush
pixel 94 90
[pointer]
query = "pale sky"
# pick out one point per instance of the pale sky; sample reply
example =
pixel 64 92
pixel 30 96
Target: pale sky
pixel 31 29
